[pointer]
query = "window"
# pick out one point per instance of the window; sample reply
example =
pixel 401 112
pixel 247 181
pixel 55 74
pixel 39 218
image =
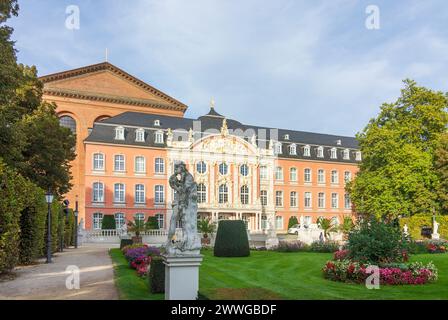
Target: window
pixel 223 194
pixel 156 123
pixel 358 155
pixel 97 220
pixel 263 172
pixel 306 151
pixel 244 170
pixel 293 149
pixel 158 137
pixel 278 173
pixel 139 217
pixel 307 175
pixel 119 220
pixel 293 174
pixel 347 201
pixel 320 152
pixel 321 176
pixel 279 198
pixel 160 220
pixel 321 200
pixel 98 161
pixel 264 197
pixel 68 122
pixel 279 222
pixel 286 137
pixel 119 192
pixel 98 192
pixel 159 165
pixel 201 167
pixel 307 199
pixel 119 162
pixel 140 135
pixel 202 193
pixel 333 153
pixel 244 195
pixel 347 176
pixel 334 177
pixel 264 222
pixel 119 133
pixel 334 200
pixel 278 148
pixel 139 193
pixel 159 196
pixel 223 168
pixel 293 199
pixel 140 164
pixel 346 154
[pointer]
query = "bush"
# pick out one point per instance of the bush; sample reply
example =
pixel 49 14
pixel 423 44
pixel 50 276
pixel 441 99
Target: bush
pixel 324 246
pixel 108 222
pixel 292 221
pixel 125 243
pixel 69 230
pixel 291 246
pixel 376 242
pixel 157 275
pixel 231 239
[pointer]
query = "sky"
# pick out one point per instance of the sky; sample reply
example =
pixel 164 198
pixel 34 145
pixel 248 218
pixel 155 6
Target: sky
pixel 302 65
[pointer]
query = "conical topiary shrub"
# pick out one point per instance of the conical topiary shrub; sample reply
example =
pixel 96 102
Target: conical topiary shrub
pixel 231 239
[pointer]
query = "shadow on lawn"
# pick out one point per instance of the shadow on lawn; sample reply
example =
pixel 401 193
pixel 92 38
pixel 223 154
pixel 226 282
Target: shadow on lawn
pixel 238 294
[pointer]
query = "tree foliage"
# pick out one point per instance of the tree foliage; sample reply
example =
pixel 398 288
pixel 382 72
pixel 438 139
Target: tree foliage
pixel 397 175
pixel 441 166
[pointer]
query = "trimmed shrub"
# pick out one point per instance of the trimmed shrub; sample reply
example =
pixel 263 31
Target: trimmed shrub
pixel 69 230
pixel 125 243
pixel 152 223
pixel 292 221
pixel 231 239
pixel 157 275
pixel 108 222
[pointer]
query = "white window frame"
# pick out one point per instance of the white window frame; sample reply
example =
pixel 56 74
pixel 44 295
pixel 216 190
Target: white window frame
pixel 321 200
pixel 307 151
pixel 119 133
pixel 115 163
pixel 202 194
pixel 139 195
pixel 293 174
pixel 279 173
pixel 308 200
pixel 140 135
pixel 159 194
pixel 160 220
pixel 263 172
pixel 293 149
pixel 334 200
pixel 139 216
pixel 320 152
pixel 279 222
pixel 120 220
pixel 158 137
pixel 307 175
pixel 244 170
pixel 118 199
pixel 320 176
pixel 264 197
pixel 97 220
pixel 223 193
pixel 201 167
pixel 334 178
pixel 279 198
pixel 347 176
pixel 98 161
pixel 223 165
pixel 347 202
pixel 278 148
pixel 358 156
pixel 159 168
pixel 346 154
pixel 96 196
pixel 136 165
pixel 293 199
pixel 334 153
pixel 244 194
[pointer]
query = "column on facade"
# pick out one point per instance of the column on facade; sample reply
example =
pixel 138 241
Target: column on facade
pixel 212 186
pixel 254 188
pixel 235 184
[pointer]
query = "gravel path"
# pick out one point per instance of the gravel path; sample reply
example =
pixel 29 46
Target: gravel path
pixel 48 281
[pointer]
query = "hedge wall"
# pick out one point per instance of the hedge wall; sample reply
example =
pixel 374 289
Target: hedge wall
pixel 292 221
pixel 157 275
pixel 231 239
pixel 69 231
pixel 108 222
pixel 416 222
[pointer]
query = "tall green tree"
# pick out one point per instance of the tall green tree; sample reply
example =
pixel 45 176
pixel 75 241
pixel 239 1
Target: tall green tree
pixel 397 175
pixel 441 166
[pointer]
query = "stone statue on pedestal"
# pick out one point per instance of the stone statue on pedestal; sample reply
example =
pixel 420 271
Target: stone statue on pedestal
pixel 405 230
pixel 185 209
pixel 435 229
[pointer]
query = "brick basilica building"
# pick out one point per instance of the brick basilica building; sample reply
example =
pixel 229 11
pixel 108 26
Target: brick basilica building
pixel 129 135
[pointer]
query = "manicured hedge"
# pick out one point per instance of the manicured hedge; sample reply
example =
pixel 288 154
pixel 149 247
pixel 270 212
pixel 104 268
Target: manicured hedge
pixel 231 239
pixel 157 275
pixel 69 231
pixel 416 222
pixel 152 223
pixel 292 221
pixel 125 242
pixel 108 222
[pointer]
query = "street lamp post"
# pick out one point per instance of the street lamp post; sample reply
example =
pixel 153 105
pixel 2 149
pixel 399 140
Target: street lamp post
pixel 76 223
pixel 49 199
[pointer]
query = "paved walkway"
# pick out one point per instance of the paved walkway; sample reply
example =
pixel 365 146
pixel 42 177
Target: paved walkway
pixel 48 281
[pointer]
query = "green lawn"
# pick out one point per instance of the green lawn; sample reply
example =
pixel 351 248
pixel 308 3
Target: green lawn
pixel 276 275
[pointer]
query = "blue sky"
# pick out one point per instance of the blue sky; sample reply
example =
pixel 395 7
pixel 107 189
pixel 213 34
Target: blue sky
pixel 304 65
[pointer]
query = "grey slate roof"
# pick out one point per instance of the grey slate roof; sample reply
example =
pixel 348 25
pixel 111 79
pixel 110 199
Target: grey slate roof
pixel 104 131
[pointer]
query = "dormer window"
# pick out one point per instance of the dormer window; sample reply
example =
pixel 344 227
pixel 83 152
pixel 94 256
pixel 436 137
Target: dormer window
pixel 333 153
pixel 286 137
pixel 306 151
pixel 140 135
pixel 320 152
pixel 358 155
pixel 158 137
pixel 157 123
pixel 278 148
pixel 338 142
pixel 119 133
pixel 293 149
pixel 346 154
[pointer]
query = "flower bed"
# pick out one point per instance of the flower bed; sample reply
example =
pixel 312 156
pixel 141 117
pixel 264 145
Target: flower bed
pixel 345 270
pixel 437 246
pixel 139 257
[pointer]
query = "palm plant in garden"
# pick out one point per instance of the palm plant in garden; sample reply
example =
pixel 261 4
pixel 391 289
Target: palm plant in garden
pixel 206 227
pixel 327 226
pixel 137 226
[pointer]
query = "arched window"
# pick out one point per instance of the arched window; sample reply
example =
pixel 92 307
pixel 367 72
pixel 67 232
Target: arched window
pixel 320 152
pixel 244 170
pixel 223 168
pixel 293 149
pixel 201 167
pixel 68 122
pixel 98 161
pixel 244 194
pixel 158 138
pixel 119 220
pixel 98 192
pixel 140 135
pixel 202 193
pixel 223 194
pixel 119 133
pixel 97 220
pixel 306 151
pixel 333 153
pixel 346 154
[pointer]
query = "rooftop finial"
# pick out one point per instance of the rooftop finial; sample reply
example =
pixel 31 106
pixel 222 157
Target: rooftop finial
pixel 212 103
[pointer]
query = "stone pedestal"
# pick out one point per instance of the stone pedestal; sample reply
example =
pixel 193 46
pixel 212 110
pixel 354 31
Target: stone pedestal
pixel 182 276
pixel 435 236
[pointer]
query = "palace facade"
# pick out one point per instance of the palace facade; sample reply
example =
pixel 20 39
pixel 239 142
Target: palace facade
pixel 129 135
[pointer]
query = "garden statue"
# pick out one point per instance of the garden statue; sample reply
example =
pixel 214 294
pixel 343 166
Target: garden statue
pixel 185 209
pixel 405 230
pixel 435 232
pixel 302 221
pixel 124 229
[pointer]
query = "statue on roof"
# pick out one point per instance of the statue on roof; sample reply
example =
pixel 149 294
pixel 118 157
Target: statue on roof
pixel 224 129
